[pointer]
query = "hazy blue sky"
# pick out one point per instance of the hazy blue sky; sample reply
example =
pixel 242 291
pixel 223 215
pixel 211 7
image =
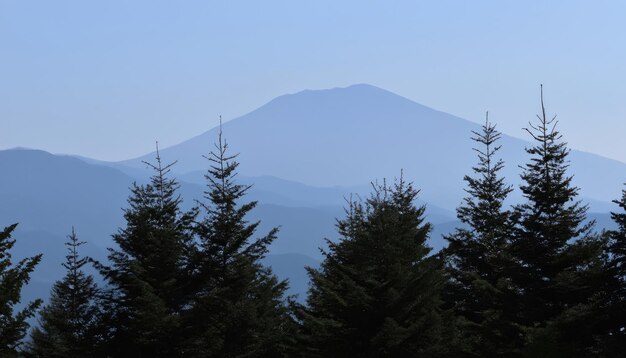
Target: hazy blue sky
pixel 106 78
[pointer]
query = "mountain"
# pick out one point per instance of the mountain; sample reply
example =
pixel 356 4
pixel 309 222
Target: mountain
pixel 303 154
pixel 52 193
pixel 292 267
pixel 351 136
pixel 49 194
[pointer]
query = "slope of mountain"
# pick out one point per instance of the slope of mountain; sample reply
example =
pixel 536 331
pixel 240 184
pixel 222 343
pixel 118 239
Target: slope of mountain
pixel 292 268
pixel 291 193
pixel 52 193
pixel 49 194
pixel 350 136
pixel 272 190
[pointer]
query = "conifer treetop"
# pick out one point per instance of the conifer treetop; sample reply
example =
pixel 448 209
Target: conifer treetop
pixel 548 187
pixel 13 278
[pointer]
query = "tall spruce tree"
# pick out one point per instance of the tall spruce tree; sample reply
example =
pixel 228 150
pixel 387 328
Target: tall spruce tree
pixel 478 256
pixel 13 325
pixel 377 292
pixel 614 338
pixel 559 259
pixel 69 325
pixel 617 245
pixel 149 273
pixel 239 308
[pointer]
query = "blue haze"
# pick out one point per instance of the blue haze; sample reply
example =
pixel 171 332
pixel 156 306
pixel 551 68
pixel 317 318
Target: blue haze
pixel 106 79
pixel 48 194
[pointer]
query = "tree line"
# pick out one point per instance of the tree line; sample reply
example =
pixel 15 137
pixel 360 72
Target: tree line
pixel 535 279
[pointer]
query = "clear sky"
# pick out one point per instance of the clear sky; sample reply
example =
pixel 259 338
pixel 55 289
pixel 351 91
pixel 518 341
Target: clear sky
pixel 105 79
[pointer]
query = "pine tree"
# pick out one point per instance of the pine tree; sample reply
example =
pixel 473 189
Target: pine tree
pixel 149 272
pixel 13 325
pixel 377 292
pixel 69 324
pixel 478 256
pixel 558 257
pixel 239 309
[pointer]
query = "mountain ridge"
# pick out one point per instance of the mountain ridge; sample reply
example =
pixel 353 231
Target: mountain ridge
pixel 350 136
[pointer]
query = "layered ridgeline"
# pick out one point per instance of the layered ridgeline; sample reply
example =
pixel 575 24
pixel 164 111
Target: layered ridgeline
pixel 295 150
pixel 49 194
pixel 350 136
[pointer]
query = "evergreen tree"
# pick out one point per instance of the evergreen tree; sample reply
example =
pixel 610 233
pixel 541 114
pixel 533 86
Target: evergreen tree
pixel 377 292
pixel 13 325
pixel 614 338
pixel 618 238
pixel 478 255
pixel 239 307
pixel 149 272
pixel 559 259
pixel 69 323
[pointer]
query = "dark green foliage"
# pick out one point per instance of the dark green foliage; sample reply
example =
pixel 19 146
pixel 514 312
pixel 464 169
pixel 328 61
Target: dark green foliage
pixel 239 306
pixel 149 273
pixel 13 325
pixel 69 325
pixel 618 238
pixel 614 338
pixel 377 293
pixel 559 260
pixel 478 256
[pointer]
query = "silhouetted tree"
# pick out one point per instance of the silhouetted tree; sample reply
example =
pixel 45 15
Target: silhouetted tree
pixel 13 325
pixel 239 308
pixel 613 341
pixel 69 325
pixel 478 256
pixel 377 292
pixel 559 259
pixel 149 273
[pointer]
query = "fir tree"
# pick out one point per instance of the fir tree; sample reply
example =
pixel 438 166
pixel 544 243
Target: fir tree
pixel 617 245
pixel 239 308
pixel 478 255
pixel 377 293
pixel 614 337
pixel 149 273
pixel 558 257
pixel 13 325
pixel 69 323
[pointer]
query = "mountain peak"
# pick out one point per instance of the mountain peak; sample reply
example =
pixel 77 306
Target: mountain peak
pixel 357 89
pixel 346 103
pixel 352 135
pixel 354 88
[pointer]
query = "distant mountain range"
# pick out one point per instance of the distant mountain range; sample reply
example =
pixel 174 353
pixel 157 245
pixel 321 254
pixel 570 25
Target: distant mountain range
pixel 304 154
